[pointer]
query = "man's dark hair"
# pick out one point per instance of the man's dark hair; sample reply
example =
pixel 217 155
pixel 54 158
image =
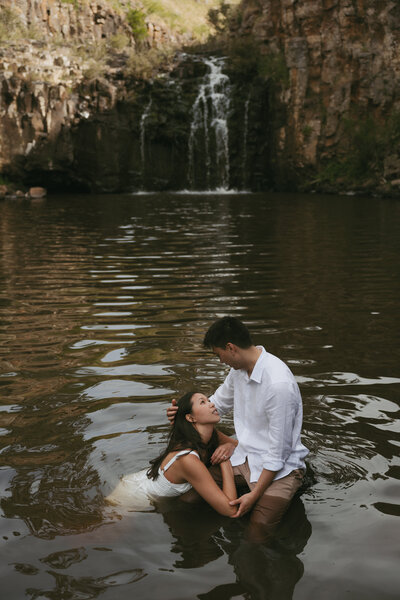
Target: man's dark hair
pixel 225 330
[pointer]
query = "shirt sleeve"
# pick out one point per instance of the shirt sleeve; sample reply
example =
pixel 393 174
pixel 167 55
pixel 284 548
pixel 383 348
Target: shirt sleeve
pixel 223 397
pixel 281 407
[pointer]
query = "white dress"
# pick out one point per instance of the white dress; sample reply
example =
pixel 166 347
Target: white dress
pixel 136 491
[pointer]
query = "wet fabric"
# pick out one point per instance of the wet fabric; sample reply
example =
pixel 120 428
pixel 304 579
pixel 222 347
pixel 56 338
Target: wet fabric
pixel 137 491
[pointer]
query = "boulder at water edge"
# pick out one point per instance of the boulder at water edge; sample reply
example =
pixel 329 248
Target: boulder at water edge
pixel 37 192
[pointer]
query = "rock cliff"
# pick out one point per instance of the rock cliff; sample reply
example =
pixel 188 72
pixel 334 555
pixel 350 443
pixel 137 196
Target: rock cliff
pixel 59 68
pixel 314 98
pixel 341 103
pixel 82 21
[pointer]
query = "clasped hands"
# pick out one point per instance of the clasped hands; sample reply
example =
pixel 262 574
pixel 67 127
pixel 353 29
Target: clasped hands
pixel 245 503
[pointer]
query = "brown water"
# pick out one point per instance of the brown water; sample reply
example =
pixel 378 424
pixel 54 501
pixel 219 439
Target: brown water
pixel 103 305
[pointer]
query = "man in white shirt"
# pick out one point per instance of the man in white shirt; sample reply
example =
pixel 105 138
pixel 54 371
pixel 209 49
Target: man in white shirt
pixel 267 410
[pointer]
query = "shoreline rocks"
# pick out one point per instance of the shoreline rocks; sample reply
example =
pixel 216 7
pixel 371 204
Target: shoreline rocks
pixel 37 192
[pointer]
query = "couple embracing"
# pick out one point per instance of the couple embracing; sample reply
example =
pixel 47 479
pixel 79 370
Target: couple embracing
pixel 265 462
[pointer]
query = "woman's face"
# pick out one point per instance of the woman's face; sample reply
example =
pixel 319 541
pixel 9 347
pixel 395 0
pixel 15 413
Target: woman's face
pixel 203 411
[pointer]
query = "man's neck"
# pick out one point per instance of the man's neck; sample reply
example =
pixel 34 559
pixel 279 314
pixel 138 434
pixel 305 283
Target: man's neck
pixel 251 356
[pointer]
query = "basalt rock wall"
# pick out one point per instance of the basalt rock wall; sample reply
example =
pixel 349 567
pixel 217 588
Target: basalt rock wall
pixel 50 18
pixel 120 134
pixel 339 62
pixel 84 21
pixel 67 109
pixel 343 58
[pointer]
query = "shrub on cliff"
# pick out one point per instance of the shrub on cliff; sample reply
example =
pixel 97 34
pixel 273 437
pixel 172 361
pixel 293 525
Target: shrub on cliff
pixel 137 21
pixel 149 63
pixel 10 25
pixel 366 143
pixel 75 3
pixel 249 59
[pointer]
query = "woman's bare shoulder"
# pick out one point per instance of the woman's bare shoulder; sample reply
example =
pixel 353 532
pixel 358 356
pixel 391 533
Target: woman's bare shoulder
pixel 174 453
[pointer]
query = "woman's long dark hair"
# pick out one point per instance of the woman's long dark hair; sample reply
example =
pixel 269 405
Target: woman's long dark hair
pixel 183 435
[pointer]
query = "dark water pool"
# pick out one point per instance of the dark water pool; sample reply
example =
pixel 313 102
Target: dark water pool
pixel 103 305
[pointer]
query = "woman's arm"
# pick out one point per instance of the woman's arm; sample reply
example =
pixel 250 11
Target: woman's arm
pixel 197 474
pixel 225 439
pixel 228 480
pixel 225 449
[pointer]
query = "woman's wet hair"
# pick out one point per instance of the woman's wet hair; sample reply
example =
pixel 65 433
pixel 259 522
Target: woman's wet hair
pixel 183 435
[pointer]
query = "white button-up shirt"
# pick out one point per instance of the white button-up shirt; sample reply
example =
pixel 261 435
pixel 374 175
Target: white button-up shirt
pixel 268 415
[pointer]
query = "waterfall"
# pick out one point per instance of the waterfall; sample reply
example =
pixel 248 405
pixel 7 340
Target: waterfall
pixel 209 135
pixel 144 116
pixel 245 135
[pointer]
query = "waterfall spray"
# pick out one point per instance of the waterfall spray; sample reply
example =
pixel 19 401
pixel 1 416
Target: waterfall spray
pixel 245 136
pixel 144 116
pixel 210 119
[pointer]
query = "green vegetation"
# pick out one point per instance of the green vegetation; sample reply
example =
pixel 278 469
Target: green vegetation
pixel 184 16
pixel 273 66
pixel 249 60
pixel 95 58
pixel 4 180
pixel 119 41
pixel 75 3
pixel 10 25
pixel 222 17
pixel 179 17
pixel 137 21
pixel 368 142
pixel 13 30
pixel 307 131
pixel 149 62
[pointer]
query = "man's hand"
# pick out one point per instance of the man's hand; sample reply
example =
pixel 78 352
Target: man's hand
pixel 171 411
pixel 245 503
pixel 223 452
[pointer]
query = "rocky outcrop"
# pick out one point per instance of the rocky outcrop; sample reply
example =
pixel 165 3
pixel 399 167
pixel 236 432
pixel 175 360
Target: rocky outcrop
pixel 343 58
pixel 87 21
pixel 54 88
pixel 43 98
pixel 117 133
pixel 316 107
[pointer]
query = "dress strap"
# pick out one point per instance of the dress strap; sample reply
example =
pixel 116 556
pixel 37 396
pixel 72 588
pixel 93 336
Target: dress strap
pixel 177 455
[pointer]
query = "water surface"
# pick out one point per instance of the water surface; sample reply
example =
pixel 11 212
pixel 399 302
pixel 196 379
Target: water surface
pixel 103 305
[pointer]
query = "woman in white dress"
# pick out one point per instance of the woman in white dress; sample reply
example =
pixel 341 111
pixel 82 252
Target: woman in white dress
pixel 183 464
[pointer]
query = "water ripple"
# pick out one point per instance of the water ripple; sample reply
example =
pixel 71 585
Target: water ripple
pixel 103 307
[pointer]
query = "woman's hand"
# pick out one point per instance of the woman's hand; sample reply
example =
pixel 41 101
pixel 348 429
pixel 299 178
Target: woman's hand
pixel 171 411
pixel 223 452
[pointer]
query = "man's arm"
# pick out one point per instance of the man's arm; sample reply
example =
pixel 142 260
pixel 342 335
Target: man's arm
pixel 223 396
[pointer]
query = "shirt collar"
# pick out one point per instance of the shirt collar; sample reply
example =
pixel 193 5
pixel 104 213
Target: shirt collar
pixel 256 374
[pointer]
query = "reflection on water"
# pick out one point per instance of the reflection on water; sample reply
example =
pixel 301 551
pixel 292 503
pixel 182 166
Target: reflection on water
pixel 103 305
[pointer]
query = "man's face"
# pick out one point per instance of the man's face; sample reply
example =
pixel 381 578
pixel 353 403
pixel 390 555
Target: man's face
pixel 230 355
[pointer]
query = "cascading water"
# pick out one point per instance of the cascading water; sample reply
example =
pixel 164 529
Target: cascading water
pixel 209 133
pixel 245 136
pixel 143 119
